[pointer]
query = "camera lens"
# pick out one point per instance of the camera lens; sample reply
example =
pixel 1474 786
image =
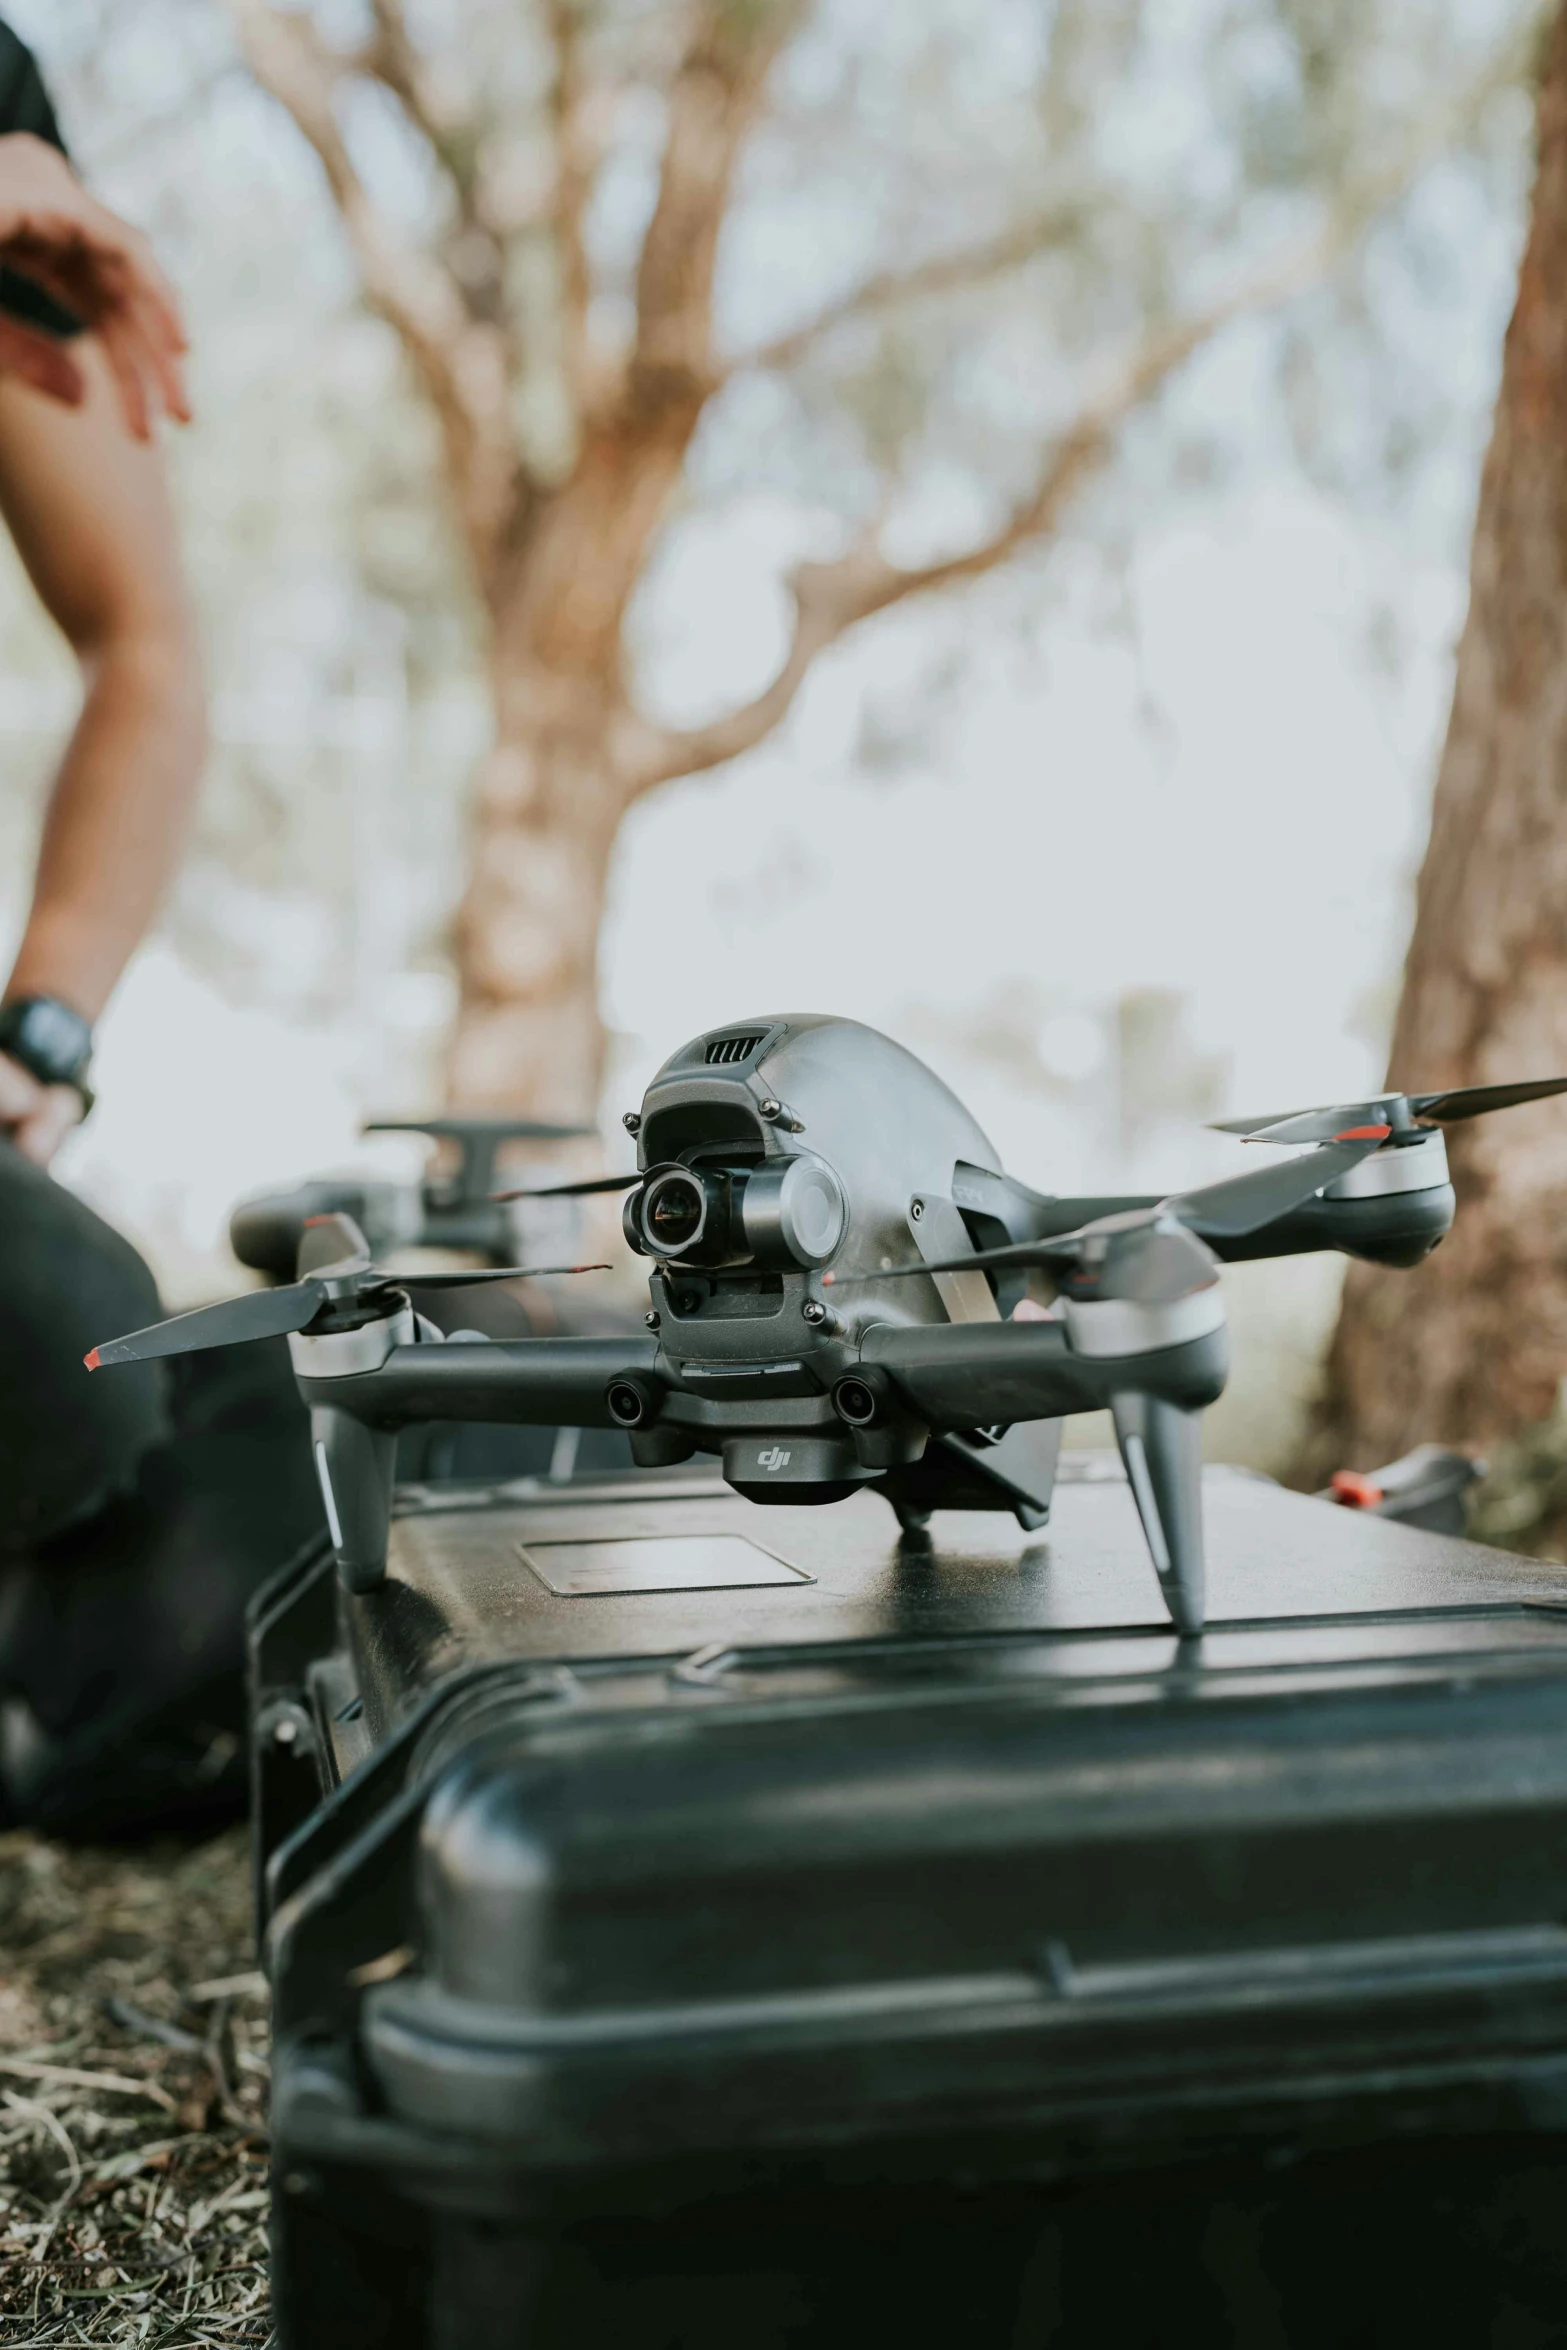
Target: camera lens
pixel 855 1400
pixel 627 1403
pixel 673 1213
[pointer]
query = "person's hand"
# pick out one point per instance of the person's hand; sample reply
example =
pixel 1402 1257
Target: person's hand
pixel 35 1118
pixel 104 273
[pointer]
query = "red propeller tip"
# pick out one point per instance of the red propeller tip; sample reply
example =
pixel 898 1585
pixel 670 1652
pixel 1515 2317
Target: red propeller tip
pixel 94 1361
pixel 828 1279
pixel 1364 1134
pixel 310 1220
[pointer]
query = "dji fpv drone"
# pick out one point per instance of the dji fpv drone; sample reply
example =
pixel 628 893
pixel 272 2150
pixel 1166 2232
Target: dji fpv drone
pixel 455 1207
pixel 837 1263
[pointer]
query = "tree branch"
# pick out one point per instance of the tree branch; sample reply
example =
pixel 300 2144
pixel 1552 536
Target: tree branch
pixel 394 61
pixel 460 359
pixel 713 100
pixel 453 138
pixel 944 273
pixel 831 598
pixel 576 160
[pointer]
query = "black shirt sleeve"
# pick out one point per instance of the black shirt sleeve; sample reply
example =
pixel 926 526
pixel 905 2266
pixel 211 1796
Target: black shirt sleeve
pixel 25 105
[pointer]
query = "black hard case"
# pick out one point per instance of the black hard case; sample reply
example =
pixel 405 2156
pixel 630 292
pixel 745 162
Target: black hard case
pixel 935 1949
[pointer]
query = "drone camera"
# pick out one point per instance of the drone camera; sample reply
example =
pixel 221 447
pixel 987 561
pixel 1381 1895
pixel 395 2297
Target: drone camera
pixel 785 1214
pixel 673 1211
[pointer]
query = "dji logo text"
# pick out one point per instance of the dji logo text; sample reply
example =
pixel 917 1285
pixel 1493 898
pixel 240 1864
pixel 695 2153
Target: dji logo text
pixel 774 1458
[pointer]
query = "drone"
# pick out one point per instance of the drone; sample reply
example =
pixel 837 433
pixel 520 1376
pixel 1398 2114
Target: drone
pixel 837 1261
pixel 453 1207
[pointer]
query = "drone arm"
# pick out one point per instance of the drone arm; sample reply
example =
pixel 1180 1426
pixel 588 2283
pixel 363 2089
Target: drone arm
pixel 985 1374
pixel 1392 1228
pixel 531 1382
pixel 977 1374
pixel 1398 1228
pixel 354 1416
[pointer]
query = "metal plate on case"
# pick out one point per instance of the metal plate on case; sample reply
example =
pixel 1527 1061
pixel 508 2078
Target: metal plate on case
pixel 682 1562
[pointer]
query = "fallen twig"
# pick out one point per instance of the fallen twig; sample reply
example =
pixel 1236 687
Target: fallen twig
pixel 69 2077
pixel 151 2027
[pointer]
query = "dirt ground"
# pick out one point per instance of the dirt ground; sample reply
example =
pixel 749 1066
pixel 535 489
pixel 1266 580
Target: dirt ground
pixel 132 2099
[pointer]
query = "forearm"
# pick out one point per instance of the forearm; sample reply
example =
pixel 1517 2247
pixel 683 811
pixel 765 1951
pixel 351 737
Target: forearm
pixel 116 818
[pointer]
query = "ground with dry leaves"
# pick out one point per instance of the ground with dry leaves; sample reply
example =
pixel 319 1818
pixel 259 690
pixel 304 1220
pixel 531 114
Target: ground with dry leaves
pixel 132 2099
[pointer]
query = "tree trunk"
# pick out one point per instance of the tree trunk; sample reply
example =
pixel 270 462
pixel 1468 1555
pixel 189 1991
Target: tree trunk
pixel 556 785
pixel 1471 1347
pixel 549 804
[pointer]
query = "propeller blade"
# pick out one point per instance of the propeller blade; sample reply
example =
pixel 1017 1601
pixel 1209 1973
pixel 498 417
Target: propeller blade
pixel 485 1129
pixel 260 1313
pixel 1020 1253
pixel 1157 1265
pixel 1220 1211
pixel 1322 1125
pixel 468 1280
pixel 1472 1101
pixel 574 1190
pixel 1247 1127
pixel 329 1242
pixel 1242 1203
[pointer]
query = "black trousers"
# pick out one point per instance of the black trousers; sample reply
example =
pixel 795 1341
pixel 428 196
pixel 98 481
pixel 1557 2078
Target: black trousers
pixel 139 1509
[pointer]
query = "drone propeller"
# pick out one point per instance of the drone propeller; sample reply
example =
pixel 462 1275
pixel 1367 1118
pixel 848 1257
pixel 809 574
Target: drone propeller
pixel 1405 1113
pixel 1142 1254
pixel 261 1313
pixel 335 1273
pixel 496 1130
pixel 472 1279
pixel 331 1240
pixel 574 1190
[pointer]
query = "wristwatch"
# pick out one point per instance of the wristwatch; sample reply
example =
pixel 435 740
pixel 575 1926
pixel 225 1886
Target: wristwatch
pixel 53 1043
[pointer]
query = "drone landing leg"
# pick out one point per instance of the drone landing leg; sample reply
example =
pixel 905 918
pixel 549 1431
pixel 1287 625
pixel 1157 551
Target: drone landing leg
pixel 913 1523
pixel 1161 1446
pixel 354 1465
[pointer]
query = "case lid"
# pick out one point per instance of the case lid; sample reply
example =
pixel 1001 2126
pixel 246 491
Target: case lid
pixel 966 1871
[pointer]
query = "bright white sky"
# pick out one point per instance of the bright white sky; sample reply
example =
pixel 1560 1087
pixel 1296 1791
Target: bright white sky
pixel 1232 809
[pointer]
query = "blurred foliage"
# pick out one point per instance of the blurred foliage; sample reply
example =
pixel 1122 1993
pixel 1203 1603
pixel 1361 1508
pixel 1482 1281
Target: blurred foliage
pixel 1521 1503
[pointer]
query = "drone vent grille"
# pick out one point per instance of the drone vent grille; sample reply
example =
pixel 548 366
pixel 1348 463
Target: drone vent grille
pixel 724 1051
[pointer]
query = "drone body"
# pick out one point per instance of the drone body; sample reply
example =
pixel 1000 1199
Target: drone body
pixel 770 1156
pixel 835 1256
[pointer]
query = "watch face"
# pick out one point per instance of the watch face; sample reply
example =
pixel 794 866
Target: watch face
pixel 50 1039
